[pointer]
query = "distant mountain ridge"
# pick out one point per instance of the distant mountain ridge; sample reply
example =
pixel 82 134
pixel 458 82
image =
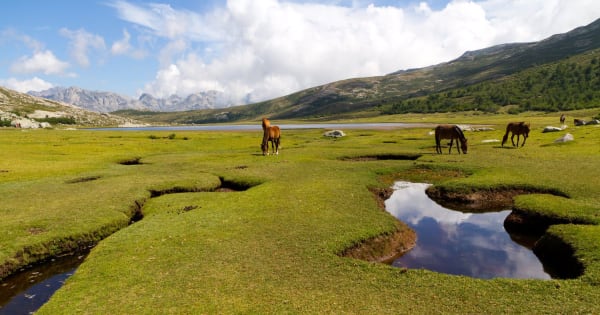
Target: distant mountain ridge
pixel 28 111
pixel 105 102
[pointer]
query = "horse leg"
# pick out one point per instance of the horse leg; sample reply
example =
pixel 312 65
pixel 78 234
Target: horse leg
pixel 277 146
pixel 524 139
pixel 512 139
pixel 457 147
pixel 438 146
pixel 450 145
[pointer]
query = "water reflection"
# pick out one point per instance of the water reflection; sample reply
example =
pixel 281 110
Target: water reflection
pixel 26 292
pixel 453 242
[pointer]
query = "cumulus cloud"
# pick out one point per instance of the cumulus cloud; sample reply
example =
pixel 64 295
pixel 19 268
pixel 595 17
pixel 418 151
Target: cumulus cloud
pixel 82 43
pixel 41 61
pixel 256 50
pixel 24 86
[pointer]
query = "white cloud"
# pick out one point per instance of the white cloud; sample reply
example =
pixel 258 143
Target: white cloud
pixel 41 61
pixel 34 84
pixel 10 34
pixel 256 50
pixel 124 47
pixel 81 42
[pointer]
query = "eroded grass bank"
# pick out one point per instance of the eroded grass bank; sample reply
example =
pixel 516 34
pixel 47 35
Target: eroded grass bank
pixel 273 247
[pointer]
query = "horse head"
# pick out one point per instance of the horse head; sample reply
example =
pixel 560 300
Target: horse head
pixel 264 145
pixel 463 145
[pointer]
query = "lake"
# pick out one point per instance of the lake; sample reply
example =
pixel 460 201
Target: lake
pixel 259 127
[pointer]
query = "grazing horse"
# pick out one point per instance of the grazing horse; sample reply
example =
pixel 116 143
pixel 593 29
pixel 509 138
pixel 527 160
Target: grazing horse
pixel 450 132
pixel 562 119
pixel 517 129
pixel 272 134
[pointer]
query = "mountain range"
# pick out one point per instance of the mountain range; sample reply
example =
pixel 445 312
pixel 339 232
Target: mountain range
pixel 105 102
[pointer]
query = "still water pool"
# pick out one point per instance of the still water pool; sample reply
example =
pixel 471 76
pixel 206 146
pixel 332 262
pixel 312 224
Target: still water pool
pixel 460 243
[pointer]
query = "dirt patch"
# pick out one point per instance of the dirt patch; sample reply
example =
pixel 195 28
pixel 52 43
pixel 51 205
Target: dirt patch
pixel 488 200
pixel 479 200
pixel 376 157
pixel 132 161
pixel 36 230
pixel 82 179
pixel 386 247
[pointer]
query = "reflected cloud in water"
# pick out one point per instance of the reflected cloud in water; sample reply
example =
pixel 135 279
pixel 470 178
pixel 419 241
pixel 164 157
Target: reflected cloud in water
pixel 453 242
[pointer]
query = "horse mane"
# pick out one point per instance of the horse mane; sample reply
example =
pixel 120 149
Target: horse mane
pixel 265 123
pixel 460 132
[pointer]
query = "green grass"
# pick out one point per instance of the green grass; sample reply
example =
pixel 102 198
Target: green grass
pixel 272 248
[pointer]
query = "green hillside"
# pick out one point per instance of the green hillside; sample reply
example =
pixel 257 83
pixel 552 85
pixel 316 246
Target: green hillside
pixel 566 85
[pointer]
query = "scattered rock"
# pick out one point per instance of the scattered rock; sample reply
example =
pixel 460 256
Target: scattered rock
pixel 483 129
pixel 551 129
pixel 567 137
pixel 334 134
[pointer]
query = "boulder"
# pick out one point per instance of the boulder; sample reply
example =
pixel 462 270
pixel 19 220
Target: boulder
pixel 566 138
pixel 551 129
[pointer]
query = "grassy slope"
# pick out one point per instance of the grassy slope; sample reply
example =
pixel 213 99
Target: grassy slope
pixel 273 247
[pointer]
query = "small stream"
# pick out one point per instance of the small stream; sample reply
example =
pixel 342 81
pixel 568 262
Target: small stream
pixel 27 291
pixel 461 243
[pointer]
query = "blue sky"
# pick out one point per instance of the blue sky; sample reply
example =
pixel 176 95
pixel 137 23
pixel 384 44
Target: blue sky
pixel 252 50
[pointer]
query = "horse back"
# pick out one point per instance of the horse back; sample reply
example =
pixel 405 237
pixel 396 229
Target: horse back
pixel 448 132
pixel 272 132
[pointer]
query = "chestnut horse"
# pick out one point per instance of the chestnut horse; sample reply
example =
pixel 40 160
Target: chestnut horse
pixel 450 132
pixel 517 129
pixel 272 134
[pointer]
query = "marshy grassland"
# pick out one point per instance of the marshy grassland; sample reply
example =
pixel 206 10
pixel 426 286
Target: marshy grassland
pixel 272 245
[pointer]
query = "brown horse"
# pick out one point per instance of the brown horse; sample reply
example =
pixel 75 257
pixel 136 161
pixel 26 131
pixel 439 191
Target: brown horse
pixel 517 129
pixel 562 119
pixel 271 134
pixel 450 132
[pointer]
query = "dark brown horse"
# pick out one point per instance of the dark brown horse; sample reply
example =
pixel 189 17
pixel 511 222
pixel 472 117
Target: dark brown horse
pixel 450 132
pixel 271 134
pixel 517 129
pixel 562 119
